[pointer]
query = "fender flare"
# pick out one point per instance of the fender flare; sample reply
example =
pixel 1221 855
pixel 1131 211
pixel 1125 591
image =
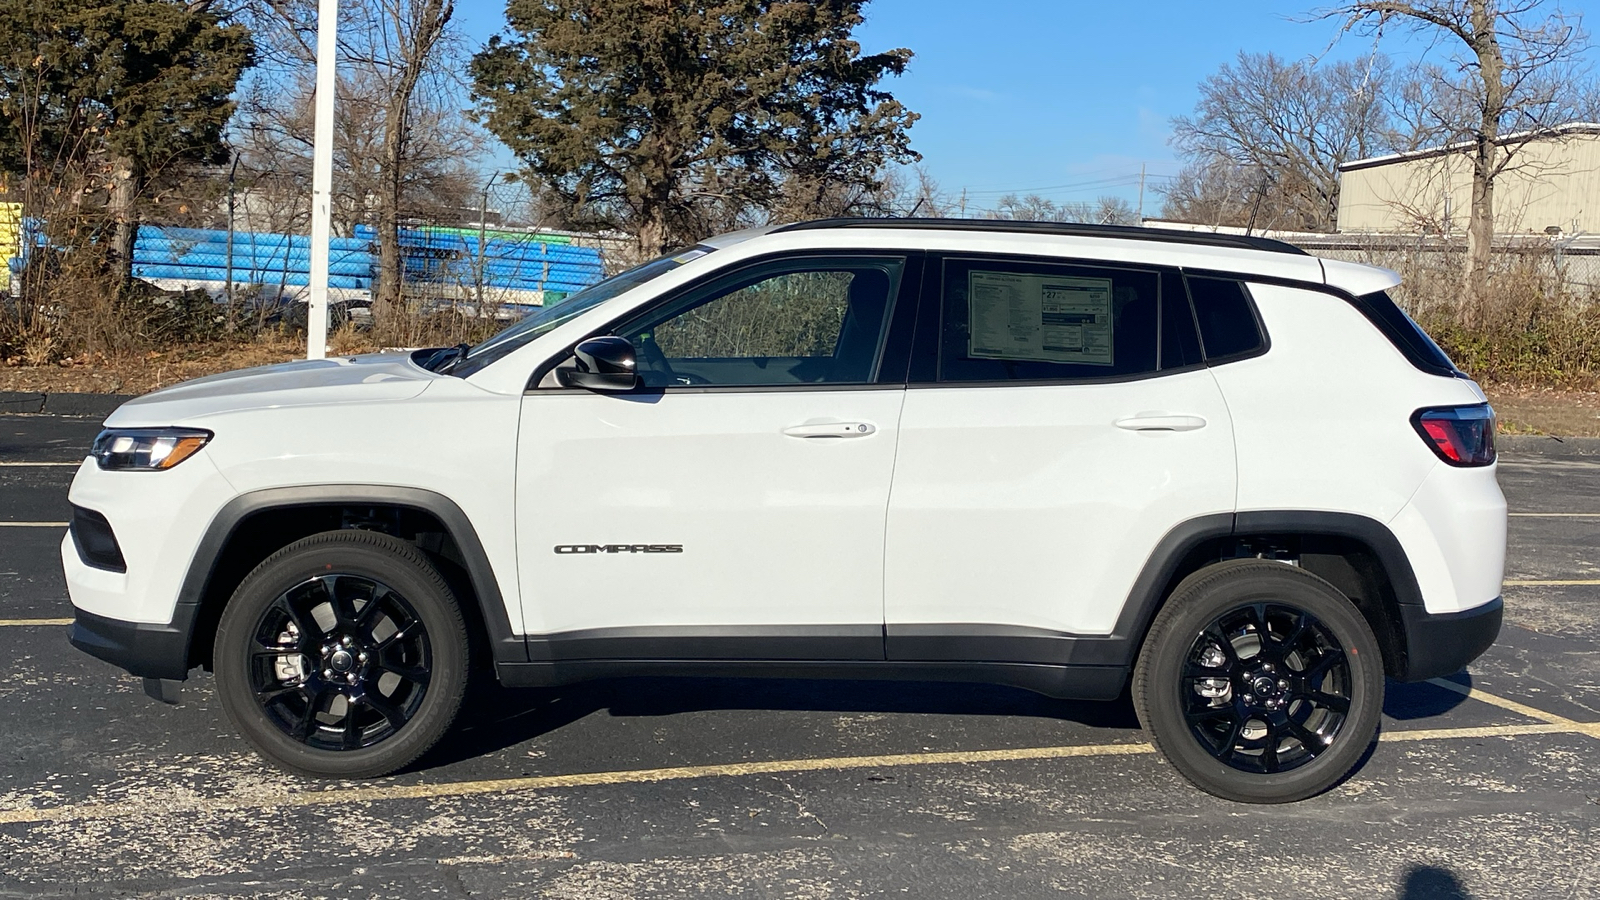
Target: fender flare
pixel 1148 592
pixel 505 646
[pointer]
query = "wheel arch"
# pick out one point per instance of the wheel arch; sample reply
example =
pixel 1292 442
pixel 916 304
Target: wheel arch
pixel 1357 554
pixel 254 525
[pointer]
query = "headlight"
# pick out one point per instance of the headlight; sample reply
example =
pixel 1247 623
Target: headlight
pixel 146 449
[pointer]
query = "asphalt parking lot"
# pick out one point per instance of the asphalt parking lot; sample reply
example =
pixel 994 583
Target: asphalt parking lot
pixel 1484 785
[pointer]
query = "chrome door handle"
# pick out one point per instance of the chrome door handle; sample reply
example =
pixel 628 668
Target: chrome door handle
pixel 1161 423
pixel 832 430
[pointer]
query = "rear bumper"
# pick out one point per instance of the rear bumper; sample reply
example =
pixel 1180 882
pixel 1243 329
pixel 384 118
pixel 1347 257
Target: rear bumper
pixel 1441 644
pixel 143 649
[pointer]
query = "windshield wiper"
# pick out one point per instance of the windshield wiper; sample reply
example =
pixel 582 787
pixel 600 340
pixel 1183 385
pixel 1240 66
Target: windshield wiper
pixel 448 358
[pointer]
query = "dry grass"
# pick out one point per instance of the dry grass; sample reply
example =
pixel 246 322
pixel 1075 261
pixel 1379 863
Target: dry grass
pixel 1563 413
pixel 141 373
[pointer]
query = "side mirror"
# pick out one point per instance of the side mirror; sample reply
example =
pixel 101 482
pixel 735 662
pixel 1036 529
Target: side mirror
pixel 603 364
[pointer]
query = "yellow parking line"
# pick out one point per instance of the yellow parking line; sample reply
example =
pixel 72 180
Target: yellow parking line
pixel 335 796
pixel 1521 709
pixel 1435 734
pixel 1554 583
pixel 546 782
pixel 33 524
pixel 30 623
pixel 39 465
pixel 1554 515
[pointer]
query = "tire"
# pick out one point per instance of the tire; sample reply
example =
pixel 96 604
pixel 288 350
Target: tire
pixel 377 664
pixel 1260 682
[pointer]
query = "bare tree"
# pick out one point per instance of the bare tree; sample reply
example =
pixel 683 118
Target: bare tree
pixel 398 46
pixel 1106 210
pixel 915 192
pixel 1512 75
pixel 1216 191
pixel 1293 123
pixel 403 147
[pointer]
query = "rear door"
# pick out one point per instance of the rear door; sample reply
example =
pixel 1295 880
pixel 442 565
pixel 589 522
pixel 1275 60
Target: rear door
pixel 1059 423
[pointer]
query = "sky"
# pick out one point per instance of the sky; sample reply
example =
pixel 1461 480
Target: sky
pixel 1066 98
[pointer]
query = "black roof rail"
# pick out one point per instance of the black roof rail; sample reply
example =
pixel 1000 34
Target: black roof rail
pixel 1069 229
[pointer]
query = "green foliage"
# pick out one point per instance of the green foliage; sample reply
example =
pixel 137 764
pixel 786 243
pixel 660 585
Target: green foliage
pixel 672 118
pixel 145 80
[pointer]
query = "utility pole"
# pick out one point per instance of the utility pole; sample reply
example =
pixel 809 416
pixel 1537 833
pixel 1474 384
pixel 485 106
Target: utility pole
pixel 963 203
pixel 1141 193
pixel 322 178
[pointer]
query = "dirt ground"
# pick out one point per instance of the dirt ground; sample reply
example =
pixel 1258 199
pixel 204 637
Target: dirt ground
pixel 1522 410
pixel 150 371
pixel 1563 413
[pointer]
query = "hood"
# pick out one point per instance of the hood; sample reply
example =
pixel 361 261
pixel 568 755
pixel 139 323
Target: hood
pixel 311 382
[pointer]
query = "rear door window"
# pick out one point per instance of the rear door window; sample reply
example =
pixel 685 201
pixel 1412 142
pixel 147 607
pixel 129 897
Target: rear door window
pixel 1011 320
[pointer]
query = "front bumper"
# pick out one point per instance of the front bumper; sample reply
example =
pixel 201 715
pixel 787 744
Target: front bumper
pixel 143 649
pixel 1441 644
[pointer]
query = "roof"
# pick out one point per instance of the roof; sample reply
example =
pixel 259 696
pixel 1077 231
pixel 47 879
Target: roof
pixel 1066 229
pixel 1461 146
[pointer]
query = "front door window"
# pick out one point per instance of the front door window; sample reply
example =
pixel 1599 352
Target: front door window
pixel 816 321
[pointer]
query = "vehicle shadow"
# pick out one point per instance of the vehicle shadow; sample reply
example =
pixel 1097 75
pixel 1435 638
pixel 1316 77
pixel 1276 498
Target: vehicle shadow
pixel 496 717
pixel 1421 700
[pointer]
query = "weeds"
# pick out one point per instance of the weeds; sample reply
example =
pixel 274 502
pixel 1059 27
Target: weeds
pixel 1535 328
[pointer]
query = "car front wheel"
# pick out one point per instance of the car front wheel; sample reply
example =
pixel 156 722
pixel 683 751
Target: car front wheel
pixel 1260 682
pixel 343 655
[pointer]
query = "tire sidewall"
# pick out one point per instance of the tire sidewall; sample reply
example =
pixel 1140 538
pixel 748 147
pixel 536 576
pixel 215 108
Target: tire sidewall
pixel 367 555
pixel 1200 600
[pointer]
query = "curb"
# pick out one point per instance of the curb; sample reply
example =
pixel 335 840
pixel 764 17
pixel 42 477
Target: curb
pixel 1548 446
pixel 66 404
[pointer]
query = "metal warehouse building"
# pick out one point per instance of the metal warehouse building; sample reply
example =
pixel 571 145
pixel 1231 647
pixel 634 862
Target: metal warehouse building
pixel 1554 183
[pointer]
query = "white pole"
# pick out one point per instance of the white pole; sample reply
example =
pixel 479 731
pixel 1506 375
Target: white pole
pixel 322 177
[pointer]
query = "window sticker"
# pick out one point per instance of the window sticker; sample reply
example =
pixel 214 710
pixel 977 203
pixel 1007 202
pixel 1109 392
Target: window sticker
pixel 1045 318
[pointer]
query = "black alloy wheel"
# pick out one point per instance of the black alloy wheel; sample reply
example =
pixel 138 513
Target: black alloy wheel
pixel 1260 682
pixel 343 655
pixel 340 662
pixel 1266 688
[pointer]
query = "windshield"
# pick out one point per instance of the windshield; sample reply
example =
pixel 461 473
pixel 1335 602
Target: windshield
pixel 546 319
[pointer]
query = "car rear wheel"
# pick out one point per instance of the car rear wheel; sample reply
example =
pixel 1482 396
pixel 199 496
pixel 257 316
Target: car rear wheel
pixel 343 655
pixel 1260 682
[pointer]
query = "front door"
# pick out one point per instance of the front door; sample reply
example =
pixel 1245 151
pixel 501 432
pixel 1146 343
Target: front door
pixel 734 506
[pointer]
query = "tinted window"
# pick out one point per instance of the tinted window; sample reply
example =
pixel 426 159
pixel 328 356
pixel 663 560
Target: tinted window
pixel 1180 343
pixel 548 318
pixel 1406 334
pixel 815 321
pixel 1227 320
pixel 1027 321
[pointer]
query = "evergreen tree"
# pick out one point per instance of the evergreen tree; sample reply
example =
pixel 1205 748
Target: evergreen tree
pixel 671 118
pixel 131 87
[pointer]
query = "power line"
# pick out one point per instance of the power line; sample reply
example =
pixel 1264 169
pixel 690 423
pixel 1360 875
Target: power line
pixel 1127 180
pixel 1122 170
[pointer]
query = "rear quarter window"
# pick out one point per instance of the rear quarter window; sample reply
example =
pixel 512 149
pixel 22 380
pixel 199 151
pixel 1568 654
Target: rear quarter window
pixel 1229 328
pixel 1406 335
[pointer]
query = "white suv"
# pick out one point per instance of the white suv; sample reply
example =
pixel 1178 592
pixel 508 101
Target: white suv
pixel 1058 457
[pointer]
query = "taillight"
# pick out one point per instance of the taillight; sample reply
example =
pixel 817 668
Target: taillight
pixel 1459 435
